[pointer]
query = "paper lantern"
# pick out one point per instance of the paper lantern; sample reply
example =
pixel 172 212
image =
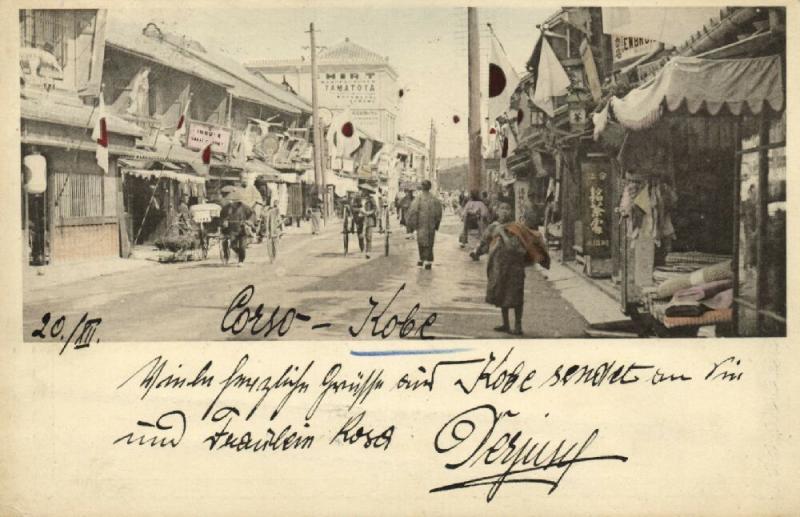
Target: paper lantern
pixel 35 166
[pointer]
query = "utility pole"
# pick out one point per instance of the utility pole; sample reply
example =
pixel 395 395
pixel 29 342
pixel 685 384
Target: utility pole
pixel 432 158
pixel 474 60
pixel 319 173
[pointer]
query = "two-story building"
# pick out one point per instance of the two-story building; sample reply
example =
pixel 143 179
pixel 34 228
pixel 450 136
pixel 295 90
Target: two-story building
pixel 349 77
pixel 185 96
pixel 71 206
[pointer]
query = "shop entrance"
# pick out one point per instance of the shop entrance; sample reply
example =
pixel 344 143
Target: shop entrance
pixel 147 206
pixel 37 229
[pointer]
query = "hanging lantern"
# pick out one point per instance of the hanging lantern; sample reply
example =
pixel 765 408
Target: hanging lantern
pixel 537 115
pixel 576 101
pixel 35 166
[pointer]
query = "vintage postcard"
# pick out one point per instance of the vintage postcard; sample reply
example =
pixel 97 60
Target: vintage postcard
pixel 399 259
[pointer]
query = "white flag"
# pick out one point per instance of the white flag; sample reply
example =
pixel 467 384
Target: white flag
pixel 100 135
pixel 503 80
pixel 551 79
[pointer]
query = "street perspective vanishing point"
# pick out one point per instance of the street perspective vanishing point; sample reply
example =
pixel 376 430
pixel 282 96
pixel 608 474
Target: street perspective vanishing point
pixel 427 174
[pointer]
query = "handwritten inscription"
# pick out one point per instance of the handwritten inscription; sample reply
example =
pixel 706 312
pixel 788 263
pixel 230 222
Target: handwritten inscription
pixel 472 438
pixel 487 446
pixel 244 317
pixel 81 335
pixel 167 431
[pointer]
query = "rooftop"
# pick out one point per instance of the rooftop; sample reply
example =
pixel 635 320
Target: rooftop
pixel 343 53
pixel 191 57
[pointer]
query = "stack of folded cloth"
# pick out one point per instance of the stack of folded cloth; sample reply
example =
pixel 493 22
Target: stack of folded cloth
pixel 704 304
pixel 696 300
pixel 712 273
pixel 692 258
pixel 703 297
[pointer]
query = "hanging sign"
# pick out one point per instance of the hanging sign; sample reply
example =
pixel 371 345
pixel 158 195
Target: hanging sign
pixel 596 210
pixel 201 134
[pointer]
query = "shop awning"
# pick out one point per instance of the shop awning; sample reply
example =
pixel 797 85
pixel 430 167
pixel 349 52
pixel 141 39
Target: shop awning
pixel 700 84
pixel 261 169
pixel 181 177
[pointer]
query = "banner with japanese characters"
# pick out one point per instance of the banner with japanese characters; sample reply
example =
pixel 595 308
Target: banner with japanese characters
pixel 596 206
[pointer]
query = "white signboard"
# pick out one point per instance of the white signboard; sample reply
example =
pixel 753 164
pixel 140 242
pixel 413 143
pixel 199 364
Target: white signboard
pixel 356 89
pixel 628 47
pixel 200 135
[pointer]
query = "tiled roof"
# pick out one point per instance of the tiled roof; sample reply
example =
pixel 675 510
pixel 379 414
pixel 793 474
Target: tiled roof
pixel 174 52
pixel 343 53
pixel 349 52
pixel 72 114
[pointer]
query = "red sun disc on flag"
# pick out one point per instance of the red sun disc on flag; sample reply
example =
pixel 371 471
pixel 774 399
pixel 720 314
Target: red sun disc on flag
pixel 103 140
pixel 497 80
pixel 456 119
pixel 347 129
pixel 207 155
pixel 492 131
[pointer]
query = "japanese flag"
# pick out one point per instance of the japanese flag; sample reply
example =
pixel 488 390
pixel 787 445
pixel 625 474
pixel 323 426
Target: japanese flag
pixel 205 160
pixel 180 128
pixel 342 138
pixel 503 80
pixel 100 136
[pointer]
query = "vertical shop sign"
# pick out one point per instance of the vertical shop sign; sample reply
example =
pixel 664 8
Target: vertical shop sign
pixel 596 209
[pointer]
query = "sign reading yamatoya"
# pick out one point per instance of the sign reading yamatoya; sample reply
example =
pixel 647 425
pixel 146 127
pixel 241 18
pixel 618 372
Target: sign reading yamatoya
pixel 627 47
pixel 200 134
pixel 354 89
pixel 596 211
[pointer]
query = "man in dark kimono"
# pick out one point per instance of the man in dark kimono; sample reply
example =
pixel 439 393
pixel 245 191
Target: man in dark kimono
pixel 424 216
pixel 236 218
pixel 511 247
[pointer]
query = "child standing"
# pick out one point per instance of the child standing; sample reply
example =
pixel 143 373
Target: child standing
pixel 511 247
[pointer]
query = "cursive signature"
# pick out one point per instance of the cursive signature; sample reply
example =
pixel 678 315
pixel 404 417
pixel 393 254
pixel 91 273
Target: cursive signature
pixel 471 439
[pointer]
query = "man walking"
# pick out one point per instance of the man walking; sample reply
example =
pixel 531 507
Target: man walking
pixel 424 216
pixel 314 211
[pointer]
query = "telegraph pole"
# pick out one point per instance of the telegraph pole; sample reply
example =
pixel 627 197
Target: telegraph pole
pixel 319 174
pixel 432 157
pixel 474 59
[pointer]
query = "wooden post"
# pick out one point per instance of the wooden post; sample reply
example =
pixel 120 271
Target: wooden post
pixel 319 174
pixel 475 151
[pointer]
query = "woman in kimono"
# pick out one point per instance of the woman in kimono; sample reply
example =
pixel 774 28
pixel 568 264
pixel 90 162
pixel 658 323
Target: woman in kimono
pixel 511 247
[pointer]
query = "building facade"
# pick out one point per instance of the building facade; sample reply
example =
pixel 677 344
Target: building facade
pixel 350 77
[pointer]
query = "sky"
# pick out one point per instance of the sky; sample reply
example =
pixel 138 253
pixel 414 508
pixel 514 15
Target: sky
pixel 427 47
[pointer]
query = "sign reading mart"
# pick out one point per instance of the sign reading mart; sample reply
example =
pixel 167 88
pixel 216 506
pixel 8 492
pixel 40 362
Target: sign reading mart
pixel 201 134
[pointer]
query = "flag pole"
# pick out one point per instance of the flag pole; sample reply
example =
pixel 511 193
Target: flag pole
pixel 473 55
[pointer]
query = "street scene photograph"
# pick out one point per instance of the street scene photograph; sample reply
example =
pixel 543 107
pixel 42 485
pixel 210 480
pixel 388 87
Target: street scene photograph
pixel 426 173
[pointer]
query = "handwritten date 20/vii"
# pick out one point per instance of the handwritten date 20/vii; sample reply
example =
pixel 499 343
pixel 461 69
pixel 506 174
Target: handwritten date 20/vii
pixel 80 336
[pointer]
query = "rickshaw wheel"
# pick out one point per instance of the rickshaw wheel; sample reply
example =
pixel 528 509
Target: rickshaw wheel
pixel 345 235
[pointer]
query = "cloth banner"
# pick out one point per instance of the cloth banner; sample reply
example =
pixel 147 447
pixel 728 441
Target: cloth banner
pixel 700 83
